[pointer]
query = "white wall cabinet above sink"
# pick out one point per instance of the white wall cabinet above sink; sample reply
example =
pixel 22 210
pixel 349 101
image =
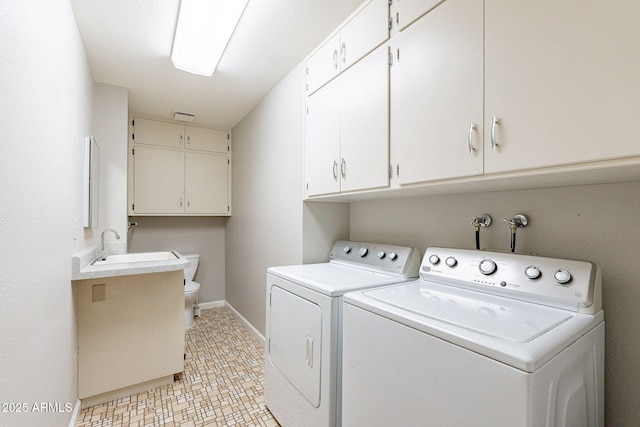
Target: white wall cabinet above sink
pixel 178 170
pixel 359 35
pixel 405 12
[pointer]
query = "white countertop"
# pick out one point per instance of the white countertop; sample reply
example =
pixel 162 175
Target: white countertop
pixel 81 268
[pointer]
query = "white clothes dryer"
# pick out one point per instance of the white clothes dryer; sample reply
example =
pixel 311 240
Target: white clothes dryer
pixel 303 326
pixel 481 339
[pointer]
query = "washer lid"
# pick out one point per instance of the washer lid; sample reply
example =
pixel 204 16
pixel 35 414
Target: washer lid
pixel 333 279
pixel 489 315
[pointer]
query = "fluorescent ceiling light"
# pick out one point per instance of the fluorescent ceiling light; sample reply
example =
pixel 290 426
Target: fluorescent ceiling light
pixel 203 31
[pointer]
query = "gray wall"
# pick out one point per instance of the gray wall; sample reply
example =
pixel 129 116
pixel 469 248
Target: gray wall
pixel 597 223
pixel 203 235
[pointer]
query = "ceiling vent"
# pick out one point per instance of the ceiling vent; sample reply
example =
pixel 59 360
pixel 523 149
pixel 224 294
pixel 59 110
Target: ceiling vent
pixel 183 117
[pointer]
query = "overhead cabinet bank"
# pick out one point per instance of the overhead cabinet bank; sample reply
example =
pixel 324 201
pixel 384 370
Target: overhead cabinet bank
pixel 495 92
pixel 178 170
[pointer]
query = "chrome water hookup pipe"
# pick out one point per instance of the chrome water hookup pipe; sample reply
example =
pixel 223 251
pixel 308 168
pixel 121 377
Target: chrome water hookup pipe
pixel 518 221
pixel 483 220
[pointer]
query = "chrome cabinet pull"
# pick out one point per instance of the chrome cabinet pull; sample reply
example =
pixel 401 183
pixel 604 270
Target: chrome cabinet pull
pixel 335 58
pixel 335 170
pixel 188 140
pixel 343 169
pixel 188 202
pixel 181 140
pixel 469 137
pixel 494 122
pixel 180 201
pixel 343 53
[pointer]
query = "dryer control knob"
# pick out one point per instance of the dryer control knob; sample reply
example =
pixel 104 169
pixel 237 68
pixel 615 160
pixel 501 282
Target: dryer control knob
pixel 487 267
pixel 363 252
pixel 381 254
pixel 347 249
pixel 434 259
pixel 451 261
pixel 532 272
pixel 562 276
pixel 393 256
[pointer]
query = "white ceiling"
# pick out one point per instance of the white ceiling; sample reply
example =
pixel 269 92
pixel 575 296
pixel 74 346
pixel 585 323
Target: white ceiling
pixel 129 43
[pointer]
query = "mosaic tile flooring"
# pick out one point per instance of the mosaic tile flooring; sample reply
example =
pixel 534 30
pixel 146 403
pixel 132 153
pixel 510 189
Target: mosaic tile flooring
pixel 222 383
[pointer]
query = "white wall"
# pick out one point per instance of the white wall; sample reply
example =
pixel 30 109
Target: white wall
pixel 45 113
pixel 203 235
pixel 596 222
pixel 266 226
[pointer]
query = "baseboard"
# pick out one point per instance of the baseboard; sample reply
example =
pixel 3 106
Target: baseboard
pixel 249 326
pixel 74 415
pixel 212 304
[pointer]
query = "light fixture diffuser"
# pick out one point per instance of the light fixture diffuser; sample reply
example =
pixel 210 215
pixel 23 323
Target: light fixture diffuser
pixel 203 32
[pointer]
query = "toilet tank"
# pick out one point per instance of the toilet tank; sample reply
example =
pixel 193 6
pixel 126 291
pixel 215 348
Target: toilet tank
pixel 190 271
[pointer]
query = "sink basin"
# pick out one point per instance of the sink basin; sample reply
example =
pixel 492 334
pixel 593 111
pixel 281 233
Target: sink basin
pixel 134 257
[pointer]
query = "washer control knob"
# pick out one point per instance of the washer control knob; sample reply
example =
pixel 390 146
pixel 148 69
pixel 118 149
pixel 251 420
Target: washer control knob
pixel 381 254
pixel 562 276
pixel 451 261
pixel 487 267
pixel 347 249
pixel 434 259
pixel 532 272
pixel 363 252
pixel 393 256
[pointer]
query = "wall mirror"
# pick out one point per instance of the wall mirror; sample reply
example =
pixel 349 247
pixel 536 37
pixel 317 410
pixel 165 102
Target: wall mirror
pixel 91 181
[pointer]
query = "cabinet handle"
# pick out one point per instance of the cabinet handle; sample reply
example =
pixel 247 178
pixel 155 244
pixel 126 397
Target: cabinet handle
pixel 343 53
pixel 343 169
pixel 309 352
pixel 494 122
pixel 188 140
pixel 335 170
pixel 181 140
pixel 180 201
pixel 335 58
pixel 188 202
pixel 469 137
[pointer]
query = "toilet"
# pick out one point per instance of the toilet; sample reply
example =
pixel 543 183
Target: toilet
pixel 191 289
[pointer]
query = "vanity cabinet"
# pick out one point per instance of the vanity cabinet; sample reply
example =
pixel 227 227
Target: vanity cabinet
pixel 179 170
pixel 561 79
pixel 437 95
pixel 347 128
pixel 363 32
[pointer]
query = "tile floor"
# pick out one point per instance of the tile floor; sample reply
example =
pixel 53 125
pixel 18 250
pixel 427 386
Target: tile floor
pixel 222 383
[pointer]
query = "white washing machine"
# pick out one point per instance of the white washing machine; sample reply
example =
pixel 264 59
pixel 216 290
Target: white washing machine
pixel 303 326
pixel 481 339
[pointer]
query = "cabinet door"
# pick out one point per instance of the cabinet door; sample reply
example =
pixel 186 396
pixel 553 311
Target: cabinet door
pixel 404 12
pixel 364 123
pixel 364 32
pixel 206 183
pixel 206 139
pixel 323 65
pixel 154 132
pixel 437 99
pixel 562 81
pixel 158 181
pixel 322 141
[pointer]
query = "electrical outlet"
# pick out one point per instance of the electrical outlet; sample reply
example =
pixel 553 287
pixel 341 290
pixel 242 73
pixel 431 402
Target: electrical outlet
pixel 76 229
pixel 99 293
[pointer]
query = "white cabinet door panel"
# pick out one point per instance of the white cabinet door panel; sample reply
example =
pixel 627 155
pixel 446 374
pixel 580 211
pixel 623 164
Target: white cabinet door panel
pixel 204 139
pixel 562 80
pixel 158 181
pixel 438 94
pixel 364 124
pixel 155 132
pixel 404 12
pixel 206 183
pixel 367 30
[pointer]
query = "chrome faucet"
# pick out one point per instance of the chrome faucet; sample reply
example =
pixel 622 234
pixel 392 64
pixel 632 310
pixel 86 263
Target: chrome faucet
pixel 102 238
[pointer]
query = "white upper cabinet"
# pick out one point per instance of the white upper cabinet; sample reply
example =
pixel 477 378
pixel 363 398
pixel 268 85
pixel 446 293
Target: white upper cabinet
pixel 359 35
pixel 561 79
pixel 347 128
pixel 437 95
pixel 404 12
pixel 178 170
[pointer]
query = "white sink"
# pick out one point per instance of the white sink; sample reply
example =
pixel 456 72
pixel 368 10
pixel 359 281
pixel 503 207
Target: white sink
pixel 135 257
